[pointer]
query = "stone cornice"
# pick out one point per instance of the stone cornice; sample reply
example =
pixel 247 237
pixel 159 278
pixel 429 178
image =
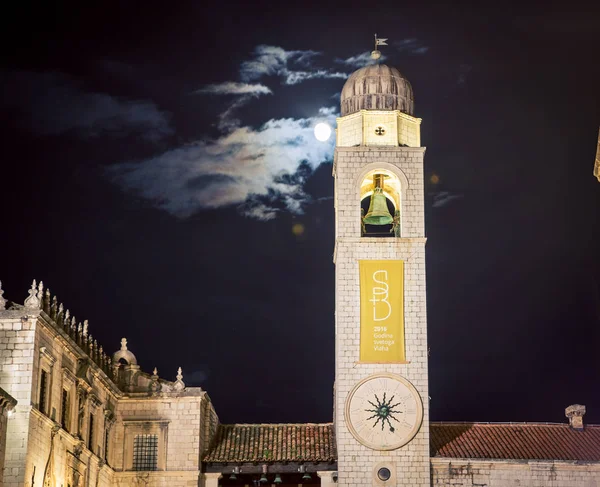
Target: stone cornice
pixel 68 343
pixel 380 148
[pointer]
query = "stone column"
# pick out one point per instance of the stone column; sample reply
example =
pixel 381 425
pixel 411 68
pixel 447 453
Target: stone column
pixel 211 479
pixel 326 477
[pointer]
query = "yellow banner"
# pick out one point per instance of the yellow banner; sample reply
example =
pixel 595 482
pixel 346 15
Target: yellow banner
pixel 381 311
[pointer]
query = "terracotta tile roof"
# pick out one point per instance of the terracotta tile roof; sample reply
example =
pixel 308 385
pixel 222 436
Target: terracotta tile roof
pixel 525 441
pixel 273 442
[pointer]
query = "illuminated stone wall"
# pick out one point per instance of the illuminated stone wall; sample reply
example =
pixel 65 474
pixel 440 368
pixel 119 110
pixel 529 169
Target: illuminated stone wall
pixel 39 446
pixel 597 163
pixel 184 426
pixel 361 128
pixel 7 405
pixel 357 464
pixel 16 369
pixel 497 473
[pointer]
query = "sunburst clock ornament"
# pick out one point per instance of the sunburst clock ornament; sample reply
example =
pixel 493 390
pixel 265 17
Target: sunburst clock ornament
pixel 384 412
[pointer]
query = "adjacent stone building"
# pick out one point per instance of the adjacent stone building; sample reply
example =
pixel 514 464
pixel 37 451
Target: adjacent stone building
pixel 597 163
pixel 82 417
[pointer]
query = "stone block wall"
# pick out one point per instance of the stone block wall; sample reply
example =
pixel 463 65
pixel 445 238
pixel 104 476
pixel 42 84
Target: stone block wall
pixel 358 129
pixel 7 405
pixel 182 436
pixel 356 463
pixel 511 473
pixel 352 162
pixel 372 119
pixel 37 443
pixel 17 335
pixel 350 130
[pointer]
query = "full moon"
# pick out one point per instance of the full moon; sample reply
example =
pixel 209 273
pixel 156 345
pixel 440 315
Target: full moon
pixel 322 131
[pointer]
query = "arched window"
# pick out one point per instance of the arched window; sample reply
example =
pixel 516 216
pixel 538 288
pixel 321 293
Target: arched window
pixel 380 203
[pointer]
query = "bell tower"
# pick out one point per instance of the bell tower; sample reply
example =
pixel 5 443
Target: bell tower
pixel 381 386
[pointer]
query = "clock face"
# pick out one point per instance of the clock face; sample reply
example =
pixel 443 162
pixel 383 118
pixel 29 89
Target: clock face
pixel 384 412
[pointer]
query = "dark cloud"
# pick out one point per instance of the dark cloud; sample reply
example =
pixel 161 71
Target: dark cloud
pixel 55 104
pixel 410 46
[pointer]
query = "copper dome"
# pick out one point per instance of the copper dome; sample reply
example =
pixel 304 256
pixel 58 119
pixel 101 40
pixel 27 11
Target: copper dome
pixel 377 87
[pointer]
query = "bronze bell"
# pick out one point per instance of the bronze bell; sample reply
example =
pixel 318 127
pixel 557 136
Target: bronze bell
pixel 378 213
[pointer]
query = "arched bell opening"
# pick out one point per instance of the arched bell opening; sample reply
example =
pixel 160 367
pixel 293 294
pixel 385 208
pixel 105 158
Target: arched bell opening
pixel 380 204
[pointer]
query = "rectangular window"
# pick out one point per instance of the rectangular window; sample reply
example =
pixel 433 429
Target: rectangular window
pixel 106 438
pixel 43 391
pixel 91 433
pixel 145 452
pixel 65 412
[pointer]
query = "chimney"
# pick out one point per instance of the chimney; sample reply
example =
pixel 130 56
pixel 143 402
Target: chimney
pixel 575 414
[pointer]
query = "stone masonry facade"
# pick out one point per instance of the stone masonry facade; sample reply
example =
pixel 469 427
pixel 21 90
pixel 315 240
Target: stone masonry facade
pixel 73 416
pixel 78 424
pixel 503 473
pixel 356 462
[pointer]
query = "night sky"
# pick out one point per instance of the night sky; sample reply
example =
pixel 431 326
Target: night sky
pixel 160 175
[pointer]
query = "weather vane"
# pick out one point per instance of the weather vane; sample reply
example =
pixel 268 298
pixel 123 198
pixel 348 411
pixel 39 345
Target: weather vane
pixel 376 54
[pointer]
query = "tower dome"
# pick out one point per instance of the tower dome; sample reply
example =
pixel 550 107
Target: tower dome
pixel 377 87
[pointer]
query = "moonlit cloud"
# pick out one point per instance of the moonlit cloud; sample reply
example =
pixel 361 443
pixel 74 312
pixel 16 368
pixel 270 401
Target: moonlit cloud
pixel 360 60
pixel 443 198
pixel 262 170
pixel 234 88
pixel 275 61
pixel 55 104
pixel 244 92
pixel 410 46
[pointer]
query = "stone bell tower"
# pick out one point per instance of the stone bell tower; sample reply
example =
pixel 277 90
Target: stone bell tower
pixel 381 399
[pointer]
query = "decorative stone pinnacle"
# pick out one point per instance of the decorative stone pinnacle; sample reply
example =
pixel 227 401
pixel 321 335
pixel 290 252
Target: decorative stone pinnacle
pixel 155 372
pixel 40 293
pixel 32 301
pixel 179 384
pixel 67 316
pixel 123 344
pixel 85 327
pixel 60 308
pixel 2 300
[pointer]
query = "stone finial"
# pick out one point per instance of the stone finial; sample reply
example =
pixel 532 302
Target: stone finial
pixel 575 414
pixel 40 293
pixel 54 308
pixel 85 327
pixel 47 301
pixel 155 372
pixel 124 344
pixel 33 301
pixel 67 317
pixel 179 384
pixel 2 300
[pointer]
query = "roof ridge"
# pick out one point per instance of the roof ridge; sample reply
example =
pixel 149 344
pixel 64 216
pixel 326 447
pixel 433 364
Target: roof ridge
pixel 276 424
pixel 515 423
